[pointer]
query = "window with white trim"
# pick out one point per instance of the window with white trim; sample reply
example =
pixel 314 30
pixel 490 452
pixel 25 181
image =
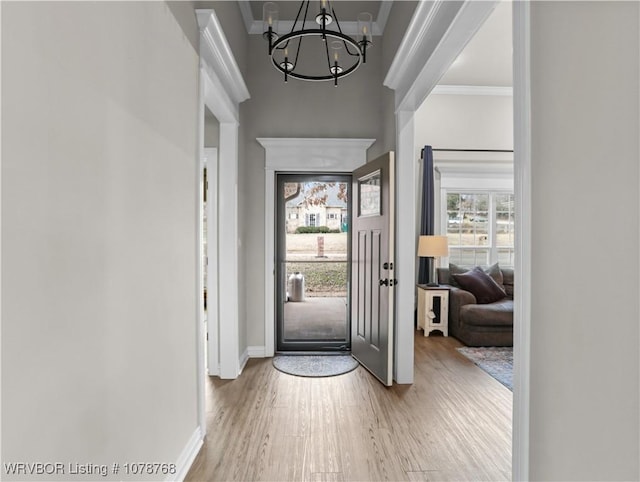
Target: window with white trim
pixel 480 227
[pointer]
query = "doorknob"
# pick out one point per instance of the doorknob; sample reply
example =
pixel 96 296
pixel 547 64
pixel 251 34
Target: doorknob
pixel 384 282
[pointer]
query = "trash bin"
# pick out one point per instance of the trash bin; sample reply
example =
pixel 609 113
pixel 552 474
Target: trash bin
pixel 296 287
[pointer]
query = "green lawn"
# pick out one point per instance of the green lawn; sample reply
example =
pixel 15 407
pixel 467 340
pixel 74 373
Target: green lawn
pixel 321 278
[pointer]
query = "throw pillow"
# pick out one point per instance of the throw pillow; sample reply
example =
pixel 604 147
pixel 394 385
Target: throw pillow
pixel 454 269
pixel 481 285
pixel 494 271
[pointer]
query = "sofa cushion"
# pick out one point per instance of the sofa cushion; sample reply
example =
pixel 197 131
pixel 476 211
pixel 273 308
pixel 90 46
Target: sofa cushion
pixel 481 285
pixel 499 313
pixel 494 271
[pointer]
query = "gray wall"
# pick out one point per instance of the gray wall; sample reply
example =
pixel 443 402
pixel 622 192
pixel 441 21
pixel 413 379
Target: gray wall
pixel 98 233
pixel 211 129
pixel 297 109
pixel 585 223
pixel 294 109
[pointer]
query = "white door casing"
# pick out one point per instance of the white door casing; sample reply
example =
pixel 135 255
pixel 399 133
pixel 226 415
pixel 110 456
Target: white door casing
pixel 412 77
pixel 221 89
pixel 298 155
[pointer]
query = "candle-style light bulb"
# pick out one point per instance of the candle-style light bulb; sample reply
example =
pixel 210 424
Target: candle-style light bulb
pixel 364 38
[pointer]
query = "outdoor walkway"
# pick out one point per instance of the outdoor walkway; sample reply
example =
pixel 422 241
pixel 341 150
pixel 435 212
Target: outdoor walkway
pixel 316 318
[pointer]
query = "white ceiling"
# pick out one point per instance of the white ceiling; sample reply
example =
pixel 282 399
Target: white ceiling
pixel 487 58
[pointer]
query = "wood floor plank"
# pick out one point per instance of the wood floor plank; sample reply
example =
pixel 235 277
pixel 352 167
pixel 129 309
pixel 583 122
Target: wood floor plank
pixel 452 423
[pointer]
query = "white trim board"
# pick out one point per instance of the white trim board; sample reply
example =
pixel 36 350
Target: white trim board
pixel 430 46
pixel 187 456
pixel 522 189
pixel 472 90
pixel 216 56
pixel 221 89
pixel 298 155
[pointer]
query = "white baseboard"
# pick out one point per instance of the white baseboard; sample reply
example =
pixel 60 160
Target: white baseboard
pixel 244 358
pixel 188 455
pixel 251 352
pixel 257 351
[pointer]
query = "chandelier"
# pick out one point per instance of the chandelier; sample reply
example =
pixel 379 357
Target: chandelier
pixel 326 54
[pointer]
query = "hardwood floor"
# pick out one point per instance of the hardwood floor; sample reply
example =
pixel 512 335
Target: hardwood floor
pixel 453 423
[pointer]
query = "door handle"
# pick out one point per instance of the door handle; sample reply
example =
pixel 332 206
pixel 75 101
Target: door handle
pixel 387 266
pixel 388 282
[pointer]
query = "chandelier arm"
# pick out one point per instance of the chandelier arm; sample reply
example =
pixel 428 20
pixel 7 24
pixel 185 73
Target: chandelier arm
pixel 346 47
pixel 295 62
pixel 326 48
pixel 302 4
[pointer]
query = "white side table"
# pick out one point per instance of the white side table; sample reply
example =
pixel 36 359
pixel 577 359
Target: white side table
pixel 433 309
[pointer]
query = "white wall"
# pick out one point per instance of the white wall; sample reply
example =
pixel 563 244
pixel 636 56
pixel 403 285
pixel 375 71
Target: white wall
pixel 99 111
pixel 465 122
pixel 584 422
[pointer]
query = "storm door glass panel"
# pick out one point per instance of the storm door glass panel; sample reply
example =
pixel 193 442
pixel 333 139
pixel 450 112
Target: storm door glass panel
pixel 313 262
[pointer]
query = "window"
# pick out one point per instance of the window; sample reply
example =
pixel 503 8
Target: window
pixel 480 228
pixel 312 219
pixel 293 215
pixel 332 216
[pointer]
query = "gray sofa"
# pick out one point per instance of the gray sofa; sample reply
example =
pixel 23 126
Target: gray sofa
pixel 476 324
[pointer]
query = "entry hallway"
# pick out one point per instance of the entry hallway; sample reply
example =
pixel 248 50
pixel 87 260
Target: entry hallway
pixel 453 423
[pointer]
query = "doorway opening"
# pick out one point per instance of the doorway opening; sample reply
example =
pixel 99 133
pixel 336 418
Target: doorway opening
pixel 313 262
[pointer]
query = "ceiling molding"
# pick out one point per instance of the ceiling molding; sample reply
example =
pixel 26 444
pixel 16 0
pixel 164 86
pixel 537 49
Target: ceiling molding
pixel 217 57
pixel 438 32
pixel 254 26
pixel 245 11
pixel 285 26
pixel 305 154
pixel 383 14
pixel 472 90
pixel 412 42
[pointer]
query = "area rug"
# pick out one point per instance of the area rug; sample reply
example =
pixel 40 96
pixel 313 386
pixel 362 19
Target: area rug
pixel 496 361
pixel 314 365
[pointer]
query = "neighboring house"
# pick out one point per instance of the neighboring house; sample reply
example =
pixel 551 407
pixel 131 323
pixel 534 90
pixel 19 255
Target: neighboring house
pixel 331 212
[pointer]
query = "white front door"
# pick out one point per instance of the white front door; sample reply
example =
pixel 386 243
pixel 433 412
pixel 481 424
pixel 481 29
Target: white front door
pixel 372 274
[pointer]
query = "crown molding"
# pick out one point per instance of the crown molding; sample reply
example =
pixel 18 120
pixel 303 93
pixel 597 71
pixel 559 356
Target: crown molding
pixel 254 26
pixel 413 40
pixel 303 154
pixel 437 33
pixel 383 14
pixel 472 90
pixel 217 56
pixel 285 26
pixel 245 11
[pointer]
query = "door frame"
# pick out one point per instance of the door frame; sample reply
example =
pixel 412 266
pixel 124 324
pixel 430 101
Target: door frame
pixel 221 88
pixel 212 336
pixel 279 221
pixel 418 65
pixel 297 155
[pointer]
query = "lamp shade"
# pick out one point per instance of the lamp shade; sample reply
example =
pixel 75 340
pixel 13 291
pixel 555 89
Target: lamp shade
pixel 432 246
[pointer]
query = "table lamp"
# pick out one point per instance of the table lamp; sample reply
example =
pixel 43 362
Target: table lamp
pixel 432 246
